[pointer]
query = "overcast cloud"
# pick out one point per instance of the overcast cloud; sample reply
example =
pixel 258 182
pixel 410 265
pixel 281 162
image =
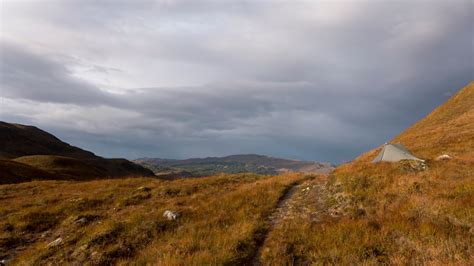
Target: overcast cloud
pixel 316 80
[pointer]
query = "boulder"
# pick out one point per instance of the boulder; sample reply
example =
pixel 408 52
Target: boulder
pixel 55 243
pixel 144 189
pixel 170 215
pixel 443 157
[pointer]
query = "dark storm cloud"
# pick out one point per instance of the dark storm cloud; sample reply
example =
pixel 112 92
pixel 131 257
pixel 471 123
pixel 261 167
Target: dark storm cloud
pixel 26 75
pixel 311 80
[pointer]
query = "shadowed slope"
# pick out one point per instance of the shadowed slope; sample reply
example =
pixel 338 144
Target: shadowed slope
pixel 38 149
pixel 66 167
pixel 14 172
pixel 20 140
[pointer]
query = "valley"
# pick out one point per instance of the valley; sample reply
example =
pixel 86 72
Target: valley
pixel 233 164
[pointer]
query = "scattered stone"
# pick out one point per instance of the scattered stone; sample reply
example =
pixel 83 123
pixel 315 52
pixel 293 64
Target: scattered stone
pixel 412 165
pixel 443 157
pixel 170 215
pixel 95 256
pixel 81 221
pixel 144 189
pixel 55 243
pixel 85 219
pixel 45 234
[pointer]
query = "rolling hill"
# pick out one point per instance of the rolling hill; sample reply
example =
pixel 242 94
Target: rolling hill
pixel 12 172
pixel 232 164
pixel 29 153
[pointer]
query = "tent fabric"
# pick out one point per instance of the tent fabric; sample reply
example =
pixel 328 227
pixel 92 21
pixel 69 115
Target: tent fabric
pixel 394 153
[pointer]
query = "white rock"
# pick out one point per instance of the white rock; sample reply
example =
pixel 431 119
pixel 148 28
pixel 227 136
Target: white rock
pixel 55 243
pixel 443 157
pixel 170 215
pixel 82 220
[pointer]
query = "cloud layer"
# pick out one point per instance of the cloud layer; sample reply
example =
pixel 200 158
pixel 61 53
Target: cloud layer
pixel 321 80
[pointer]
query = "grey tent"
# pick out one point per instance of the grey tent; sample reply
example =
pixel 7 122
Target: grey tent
pixel 394 153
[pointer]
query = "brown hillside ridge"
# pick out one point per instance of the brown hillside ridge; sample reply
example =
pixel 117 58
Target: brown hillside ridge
pixel 14 172
pixel 21 140
pixel 449 129
pixel 66 167
pixel 391 213
pixel 44 153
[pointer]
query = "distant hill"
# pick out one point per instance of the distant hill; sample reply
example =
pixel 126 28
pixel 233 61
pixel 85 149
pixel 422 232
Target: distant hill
pixel 28 153
pixel 232 164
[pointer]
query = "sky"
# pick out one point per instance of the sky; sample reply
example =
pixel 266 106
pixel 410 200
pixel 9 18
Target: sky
pixel 313 80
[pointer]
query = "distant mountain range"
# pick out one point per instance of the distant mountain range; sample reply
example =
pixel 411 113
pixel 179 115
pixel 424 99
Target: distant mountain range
pixel 29 153
pixel 253 163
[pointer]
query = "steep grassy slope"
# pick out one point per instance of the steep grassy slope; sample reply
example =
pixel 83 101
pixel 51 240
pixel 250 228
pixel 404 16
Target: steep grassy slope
pixel 121 221
pixel 449 129
pixel 394 213
pixel 46 153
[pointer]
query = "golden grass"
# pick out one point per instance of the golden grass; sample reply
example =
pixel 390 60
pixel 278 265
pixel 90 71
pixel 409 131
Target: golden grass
pixel 222 218
pixel 393 217
pixel 392 213
pixel 449 129
pixel 364 213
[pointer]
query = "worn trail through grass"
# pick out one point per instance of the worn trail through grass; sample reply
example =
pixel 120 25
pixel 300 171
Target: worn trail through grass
pixel 278 214
pixel 303 200
pixel 288 207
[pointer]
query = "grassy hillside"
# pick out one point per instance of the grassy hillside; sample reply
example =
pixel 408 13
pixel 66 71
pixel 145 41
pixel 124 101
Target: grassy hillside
pixel 222 219
pixel 449 129
pixel 50 158
pixel 63 167
pixel 393 213
pixel 12 172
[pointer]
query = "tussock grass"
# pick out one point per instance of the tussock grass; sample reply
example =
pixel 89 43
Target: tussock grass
pixel 392 213
pixel 393 217
pixel 119 221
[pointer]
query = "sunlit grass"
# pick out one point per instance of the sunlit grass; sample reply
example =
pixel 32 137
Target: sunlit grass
pixel 221 219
